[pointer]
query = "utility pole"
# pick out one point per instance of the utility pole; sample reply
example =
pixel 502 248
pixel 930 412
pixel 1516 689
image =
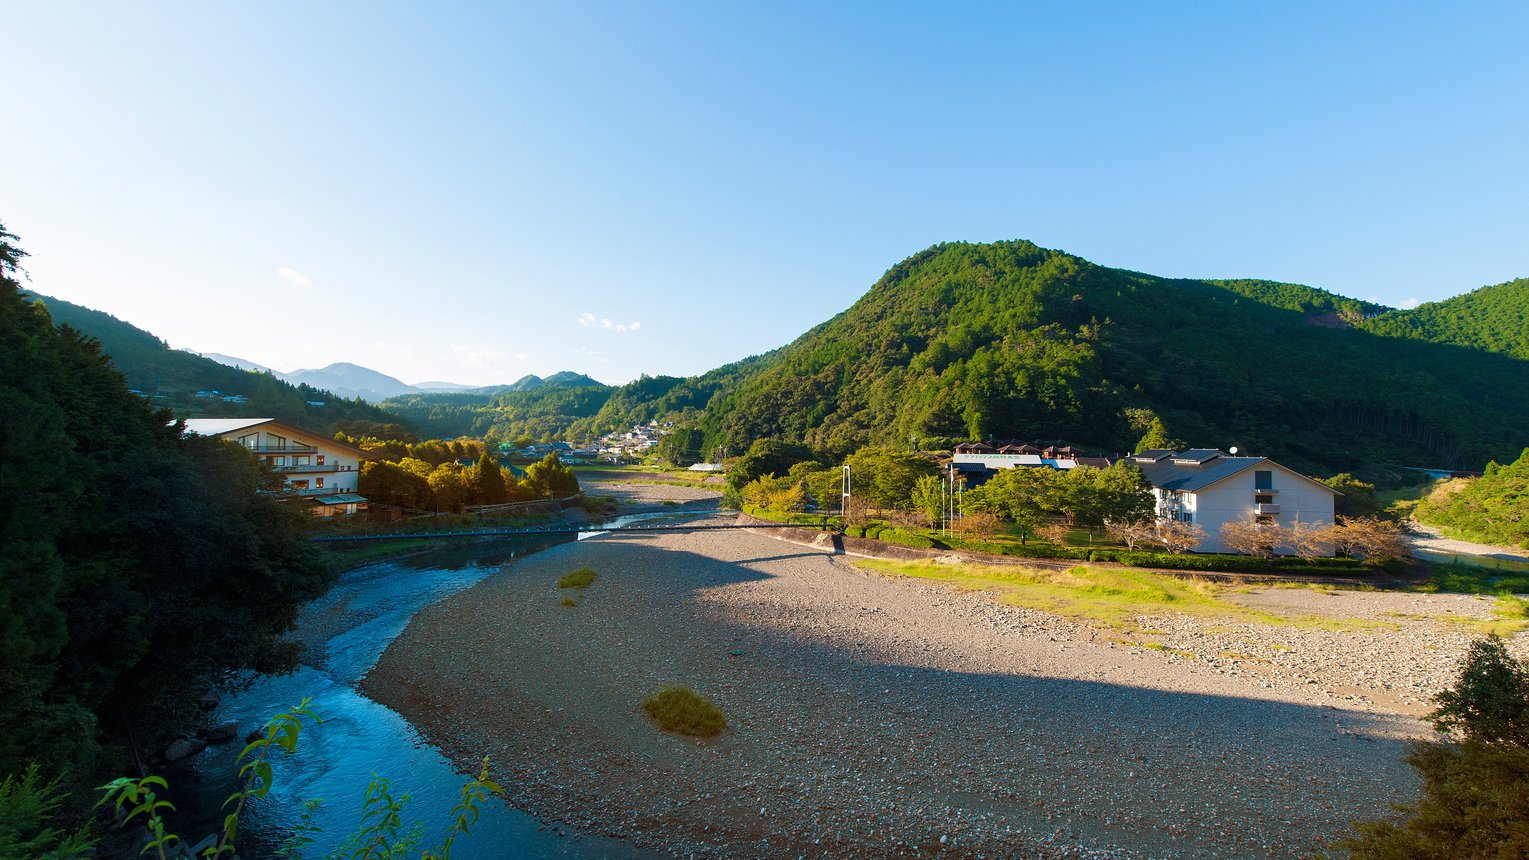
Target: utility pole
pixel 844 491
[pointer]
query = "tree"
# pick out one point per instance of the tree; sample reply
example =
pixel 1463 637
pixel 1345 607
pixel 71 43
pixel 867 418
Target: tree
pixel 1356 499
pixel 449 488
pixel 929 498
pixel 1375 540
pixel 1309 540
pixel 765 457
pixel 550 477
pixel 1154 432
pixel 1253 538
pixel 487 481
pixel 139 567
pixel 1017 495
pixel 1475 801
pixel 391 484
pixel 1490 702
pixel 1131 532
pixel 1178 536
pixel 885 477
pixel 1087 496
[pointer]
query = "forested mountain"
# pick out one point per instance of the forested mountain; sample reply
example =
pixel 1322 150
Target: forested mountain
pixel 1013 340
pixel 172 377
pixel 530 407
pixel 139 568
pixel 1492 318
pixel 1016 341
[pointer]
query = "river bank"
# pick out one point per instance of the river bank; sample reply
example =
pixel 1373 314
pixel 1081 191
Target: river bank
pixel 890 717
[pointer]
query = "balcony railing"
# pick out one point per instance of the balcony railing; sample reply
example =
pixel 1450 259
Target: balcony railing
pixel 289 448
pixel 1265 508
pixel 309 467
pixel 319 491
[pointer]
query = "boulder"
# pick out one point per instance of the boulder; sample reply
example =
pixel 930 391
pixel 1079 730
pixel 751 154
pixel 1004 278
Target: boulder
pixel 222 733
pixel 179 749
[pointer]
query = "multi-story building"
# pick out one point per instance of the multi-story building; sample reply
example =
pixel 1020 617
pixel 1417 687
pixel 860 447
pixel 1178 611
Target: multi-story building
pixel 315 468
pixel 1208 488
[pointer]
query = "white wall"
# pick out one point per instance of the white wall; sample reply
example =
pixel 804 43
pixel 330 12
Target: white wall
pixel 341 469
pixel 1232 499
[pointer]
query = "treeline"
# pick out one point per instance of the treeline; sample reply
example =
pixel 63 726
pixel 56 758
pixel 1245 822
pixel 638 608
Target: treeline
pixel 1495 319
pixel 152 367
pixel 1493 508
pixel 446 476
pixel 139 568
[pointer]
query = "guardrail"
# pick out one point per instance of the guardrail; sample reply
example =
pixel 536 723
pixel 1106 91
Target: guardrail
pixel 552 530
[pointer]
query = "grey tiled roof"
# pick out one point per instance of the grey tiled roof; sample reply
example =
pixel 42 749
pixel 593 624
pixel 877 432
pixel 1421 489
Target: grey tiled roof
pixel 1166 475
pixel 1199 454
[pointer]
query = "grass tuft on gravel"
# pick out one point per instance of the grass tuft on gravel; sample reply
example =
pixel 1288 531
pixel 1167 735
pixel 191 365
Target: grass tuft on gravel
pixel 683 710
pixel 581 578
pixel 1109 598
pixel 569 601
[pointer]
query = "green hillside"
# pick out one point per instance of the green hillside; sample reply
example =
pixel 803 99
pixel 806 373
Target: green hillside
pixel 1013 340
pixel 540 412
pixel 171 378
pixel 1492 318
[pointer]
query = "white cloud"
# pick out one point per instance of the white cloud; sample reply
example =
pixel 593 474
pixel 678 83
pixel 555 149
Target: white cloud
pixel 521 356
pixel 589 320
pixel 477 356
pixel 1409 304
pixel 293 276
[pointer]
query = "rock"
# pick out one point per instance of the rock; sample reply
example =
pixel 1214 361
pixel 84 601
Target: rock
pixel 209 701
pixel 182 747
pixel 255 735
pixel 222 733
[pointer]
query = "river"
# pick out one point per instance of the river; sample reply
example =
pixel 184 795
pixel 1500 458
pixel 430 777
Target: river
pixel 345 632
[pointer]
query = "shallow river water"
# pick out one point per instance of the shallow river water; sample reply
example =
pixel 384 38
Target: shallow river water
pixel 346 631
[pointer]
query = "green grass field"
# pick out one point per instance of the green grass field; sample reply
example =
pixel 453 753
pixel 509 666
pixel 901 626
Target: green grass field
pixel 1106 598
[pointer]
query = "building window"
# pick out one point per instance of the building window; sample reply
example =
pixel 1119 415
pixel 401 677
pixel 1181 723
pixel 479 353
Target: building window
pixel 1263 500
pixel 319 459
pixel 318 482
pixel 1263 480
pixel 299 485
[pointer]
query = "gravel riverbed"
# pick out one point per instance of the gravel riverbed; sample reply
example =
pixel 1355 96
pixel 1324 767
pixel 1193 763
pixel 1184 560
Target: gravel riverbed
pixel 888 717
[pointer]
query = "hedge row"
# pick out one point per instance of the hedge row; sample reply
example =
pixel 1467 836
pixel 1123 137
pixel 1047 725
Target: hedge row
pixel 906 538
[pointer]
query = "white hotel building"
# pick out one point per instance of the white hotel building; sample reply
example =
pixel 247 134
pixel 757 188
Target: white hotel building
pixel 317 468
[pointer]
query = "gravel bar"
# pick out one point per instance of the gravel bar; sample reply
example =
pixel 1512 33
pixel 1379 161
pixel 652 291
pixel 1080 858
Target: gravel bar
pixel 889 717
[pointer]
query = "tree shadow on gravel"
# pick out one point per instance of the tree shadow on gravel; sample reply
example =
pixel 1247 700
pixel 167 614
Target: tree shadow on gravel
pixel 1166 773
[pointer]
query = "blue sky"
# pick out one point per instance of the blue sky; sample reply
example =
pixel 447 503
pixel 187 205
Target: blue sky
pixel 478 192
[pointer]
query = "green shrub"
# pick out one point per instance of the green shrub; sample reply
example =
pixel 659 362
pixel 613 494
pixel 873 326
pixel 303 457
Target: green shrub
pixel 906 538
pixel 874 530
pixel 854 531
pixel 581 578
pixel 683 710
pixel 1475 795
pixel 569 601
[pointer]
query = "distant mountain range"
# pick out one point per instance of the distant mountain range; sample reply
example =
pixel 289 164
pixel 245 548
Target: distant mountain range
pixel 353 380
pixel 196 386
